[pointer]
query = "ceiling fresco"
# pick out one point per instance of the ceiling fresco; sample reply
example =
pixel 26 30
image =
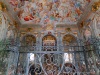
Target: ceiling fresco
pixel 46 12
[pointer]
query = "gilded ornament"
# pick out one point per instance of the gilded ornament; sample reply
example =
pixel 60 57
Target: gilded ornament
pixel 29 29
pixel 2 7
pixel 0 20
pixel 96 6
pixel 68 29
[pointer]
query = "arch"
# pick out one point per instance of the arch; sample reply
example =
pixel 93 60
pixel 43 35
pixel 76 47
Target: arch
pixel 69 39
pixel 29 40
pixel 22 37
pixel 49 40
pixel 49 43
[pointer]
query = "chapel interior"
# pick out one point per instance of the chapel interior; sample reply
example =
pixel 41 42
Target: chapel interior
pixel 49 37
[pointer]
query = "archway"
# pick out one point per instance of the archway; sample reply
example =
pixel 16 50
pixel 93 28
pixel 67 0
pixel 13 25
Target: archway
pixel 28 44
pixel 29 40
pixel 49 43
pixel 49 40
pixel 69 43
pixel 69 39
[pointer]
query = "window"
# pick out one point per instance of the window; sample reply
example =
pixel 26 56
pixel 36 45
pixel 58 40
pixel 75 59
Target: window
pixel 68 57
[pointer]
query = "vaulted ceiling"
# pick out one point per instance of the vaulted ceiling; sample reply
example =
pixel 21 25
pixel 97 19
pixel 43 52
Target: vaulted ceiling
pixel 45 12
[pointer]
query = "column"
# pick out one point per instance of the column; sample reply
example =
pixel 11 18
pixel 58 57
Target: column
pixel 59 42
pixel 60 48
pixel 27 63
pixel 38 47
pixel 12 62
pixel 3 26
pixel 95 27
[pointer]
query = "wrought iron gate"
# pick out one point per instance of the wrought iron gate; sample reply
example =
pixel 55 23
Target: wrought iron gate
pixel 52 60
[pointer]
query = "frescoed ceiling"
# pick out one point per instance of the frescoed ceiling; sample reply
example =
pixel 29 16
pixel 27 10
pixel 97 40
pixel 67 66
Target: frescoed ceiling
pixel 46 12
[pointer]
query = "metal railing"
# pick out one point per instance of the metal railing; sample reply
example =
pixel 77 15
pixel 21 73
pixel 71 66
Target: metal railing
pixel 50 59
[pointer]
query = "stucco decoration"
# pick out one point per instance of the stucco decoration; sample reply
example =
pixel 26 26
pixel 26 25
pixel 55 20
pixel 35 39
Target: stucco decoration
pixel 87 33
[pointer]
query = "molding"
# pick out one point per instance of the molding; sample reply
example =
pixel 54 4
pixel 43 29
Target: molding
pixel 65 25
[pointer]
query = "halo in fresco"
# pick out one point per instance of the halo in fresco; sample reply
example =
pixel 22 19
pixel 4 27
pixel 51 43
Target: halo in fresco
pixel 45 12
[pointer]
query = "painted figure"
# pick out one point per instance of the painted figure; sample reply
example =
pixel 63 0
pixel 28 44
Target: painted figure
pixel 46 11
